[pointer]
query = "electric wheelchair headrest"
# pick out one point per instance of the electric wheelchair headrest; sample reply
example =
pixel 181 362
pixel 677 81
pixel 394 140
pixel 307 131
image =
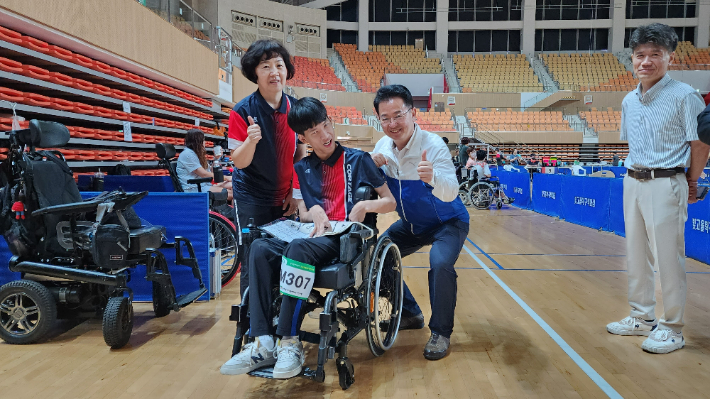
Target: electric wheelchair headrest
pixel 44 134
pixel 165 151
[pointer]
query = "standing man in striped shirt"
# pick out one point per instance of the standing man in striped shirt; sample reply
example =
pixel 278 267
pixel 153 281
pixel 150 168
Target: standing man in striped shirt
pixel 659 120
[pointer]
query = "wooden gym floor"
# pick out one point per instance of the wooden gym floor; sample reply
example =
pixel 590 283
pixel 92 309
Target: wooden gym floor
pixel 545 340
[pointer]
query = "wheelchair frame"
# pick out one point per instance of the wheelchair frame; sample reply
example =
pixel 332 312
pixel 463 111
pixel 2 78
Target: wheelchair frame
pixel 365 258
pixel 74 285
pixel 486 191
pixel 220 213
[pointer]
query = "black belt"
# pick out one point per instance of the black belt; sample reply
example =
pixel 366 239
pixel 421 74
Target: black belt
pixel 654 173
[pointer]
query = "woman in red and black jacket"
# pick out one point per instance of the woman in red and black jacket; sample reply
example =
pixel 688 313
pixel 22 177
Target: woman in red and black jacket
pixel 263 146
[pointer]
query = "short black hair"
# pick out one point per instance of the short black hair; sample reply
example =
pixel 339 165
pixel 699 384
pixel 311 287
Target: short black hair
pixel 446 139
pixel 660 34
pixel 306 113
pixel 261 50
pixel 480 155
pixel 393 91
pixel 465 140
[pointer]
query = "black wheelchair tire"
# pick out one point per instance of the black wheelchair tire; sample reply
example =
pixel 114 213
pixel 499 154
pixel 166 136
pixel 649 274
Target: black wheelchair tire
pixel 379 345
pixel 463 194
pixel 117 322
pixel 44 303
pixel 225 238
pixel 162 304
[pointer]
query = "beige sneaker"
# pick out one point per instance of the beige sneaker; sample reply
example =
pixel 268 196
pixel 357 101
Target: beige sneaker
pixel 632 326
pixel 289 355
pixel 253 356
pixel 663 341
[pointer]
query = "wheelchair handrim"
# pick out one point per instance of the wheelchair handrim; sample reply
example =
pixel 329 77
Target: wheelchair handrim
pixel 391 335
pixel 227 243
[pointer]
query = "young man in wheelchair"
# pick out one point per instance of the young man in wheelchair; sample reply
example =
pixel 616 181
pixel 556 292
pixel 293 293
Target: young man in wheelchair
pixel 328 178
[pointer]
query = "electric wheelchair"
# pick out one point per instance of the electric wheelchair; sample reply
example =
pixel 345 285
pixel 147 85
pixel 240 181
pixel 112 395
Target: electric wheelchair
pixel 366 281
pixel 483 192
pixel 75 256
pixel 223 234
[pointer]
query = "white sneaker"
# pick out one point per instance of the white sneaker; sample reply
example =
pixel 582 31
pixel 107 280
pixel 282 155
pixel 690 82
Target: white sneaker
pixel 253 356
pixel 663 341
pixel 631 326
pixel 289 355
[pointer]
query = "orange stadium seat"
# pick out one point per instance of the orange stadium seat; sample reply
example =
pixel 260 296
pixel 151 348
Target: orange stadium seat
pixel 315 73
pixel 496 120
pixel 499 73
pixel 589 72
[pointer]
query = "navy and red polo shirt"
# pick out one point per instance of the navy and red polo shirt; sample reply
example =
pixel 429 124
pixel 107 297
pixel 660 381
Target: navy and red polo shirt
pixel 267 180
pixel 332 183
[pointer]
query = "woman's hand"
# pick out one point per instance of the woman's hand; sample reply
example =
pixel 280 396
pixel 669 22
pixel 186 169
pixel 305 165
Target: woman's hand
pixel 253 131
pixel 290 204
pixel 321 224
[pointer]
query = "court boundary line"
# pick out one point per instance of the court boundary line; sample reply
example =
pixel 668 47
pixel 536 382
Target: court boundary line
pixel 484 253
pixel 581 363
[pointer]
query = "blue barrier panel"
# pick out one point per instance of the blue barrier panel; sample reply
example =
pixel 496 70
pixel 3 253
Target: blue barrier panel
pixel 182 214
pixel 616 207
pixel 516 185
pixel 697 231
pixel 162 184
pixel 546 193
pixel 585 201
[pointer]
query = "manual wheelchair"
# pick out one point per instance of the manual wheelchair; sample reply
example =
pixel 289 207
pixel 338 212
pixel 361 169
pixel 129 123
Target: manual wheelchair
pixel 366 278
pixel 483 192
pixel 223 234
pixel 75 256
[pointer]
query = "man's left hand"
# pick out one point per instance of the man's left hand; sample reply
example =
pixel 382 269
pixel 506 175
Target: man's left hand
pixel 425 169
pixel 692 191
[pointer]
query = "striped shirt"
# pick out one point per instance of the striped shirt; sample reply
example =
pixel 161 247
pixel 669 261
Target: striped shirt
pixel 660 124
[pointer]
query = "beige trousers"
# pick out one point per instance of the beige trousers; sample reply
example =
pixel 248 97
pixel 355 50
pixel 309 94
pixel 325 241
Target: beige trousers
pixel 655 212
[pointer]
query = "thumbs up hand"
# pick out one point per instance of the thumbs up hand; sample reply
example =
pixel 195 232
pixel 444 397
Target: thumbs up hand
pixel 425 169
pixel 253 131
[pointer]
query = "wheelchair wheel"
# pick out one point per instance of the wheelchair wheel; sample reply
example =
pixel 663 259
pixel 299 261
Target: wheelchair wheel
pixel 118 322
pixel 161 300
pixel 463 194
pixel 27 312
pixel 224 238
pixel 384 296
pixel 480 195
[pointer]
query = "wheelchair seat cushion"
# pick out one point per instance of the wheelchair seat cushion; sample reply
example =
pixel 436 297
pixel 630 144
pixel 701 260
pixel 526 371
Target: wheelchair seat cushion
pixel 334 277
pixel 146 237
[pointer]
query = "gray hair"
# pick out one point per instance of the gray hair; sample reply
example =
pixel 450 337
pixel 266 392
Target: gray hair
pixel 660 34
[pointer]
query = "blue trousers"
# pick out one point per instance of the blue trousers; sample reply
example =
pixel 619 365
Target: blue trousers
pixel 446 242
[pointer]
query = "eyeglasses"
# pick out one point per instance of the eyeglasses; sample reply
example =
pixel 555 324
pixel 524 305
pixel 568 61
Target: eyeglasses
pixel 396 119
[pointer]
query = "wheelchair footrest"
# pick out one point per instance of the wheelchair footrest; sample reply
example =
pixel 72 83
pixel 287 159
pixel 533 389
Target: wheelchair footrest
pixel 264 372
pixel 187 299
pixel 306 336
pixel 268 372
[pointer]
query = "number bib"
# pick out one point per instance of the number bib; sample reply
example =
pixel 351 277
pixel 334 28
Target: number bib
pixel 296 278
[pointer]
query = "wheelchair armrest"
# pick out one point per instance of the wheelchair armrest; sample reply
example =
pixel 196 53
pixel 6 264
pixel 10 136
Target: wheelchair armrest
pixel 200 180
pixel 121 201
pixel 351 243
pixel 76 207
